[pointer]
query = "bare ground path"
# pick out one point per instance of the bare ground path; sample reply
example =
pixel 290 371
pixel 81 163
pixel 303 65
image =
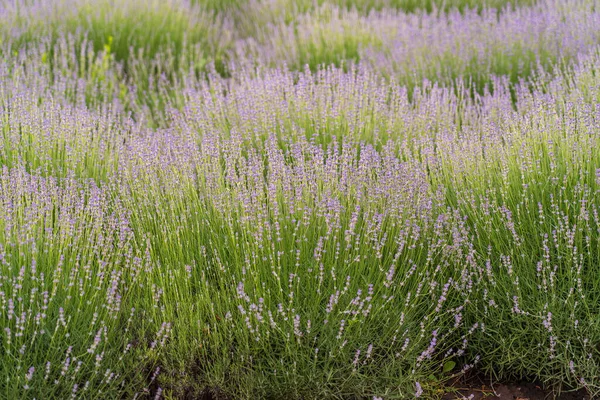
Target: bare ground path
pixel 476 389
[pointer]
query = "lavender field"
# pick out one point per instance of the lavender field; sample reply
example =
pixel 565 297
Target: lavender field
pixel 311 199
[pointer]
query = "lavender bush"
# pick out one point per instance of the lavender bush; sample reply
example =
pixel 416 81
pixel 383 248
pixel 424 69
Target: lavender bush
pixel 408 48
pixel 350 201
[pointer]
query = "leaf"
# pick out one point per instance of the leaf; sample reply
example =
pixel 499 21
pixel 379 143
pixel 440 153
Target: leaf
pixel 448 366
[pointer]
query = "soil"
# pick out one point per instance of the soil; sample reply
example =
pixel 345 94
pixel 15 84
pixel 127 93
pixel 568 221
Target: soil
pixel 509 391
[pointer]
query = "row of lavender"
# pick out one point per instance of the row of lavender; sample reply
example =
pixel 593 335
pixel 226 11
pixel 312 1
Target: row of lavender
pixel 301 234
pixel 309 235
pixel 110 42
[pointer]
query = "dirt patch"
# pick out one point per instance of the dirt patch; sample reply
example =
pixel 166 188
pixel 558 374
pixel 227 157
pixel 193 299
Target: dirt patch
pixel 508 391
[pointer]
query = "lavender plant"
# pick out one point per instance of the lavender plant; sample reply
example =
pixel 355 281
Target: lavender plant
pixel 70 274
pixel 408 48
pixel 492 178
pixel 146 27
